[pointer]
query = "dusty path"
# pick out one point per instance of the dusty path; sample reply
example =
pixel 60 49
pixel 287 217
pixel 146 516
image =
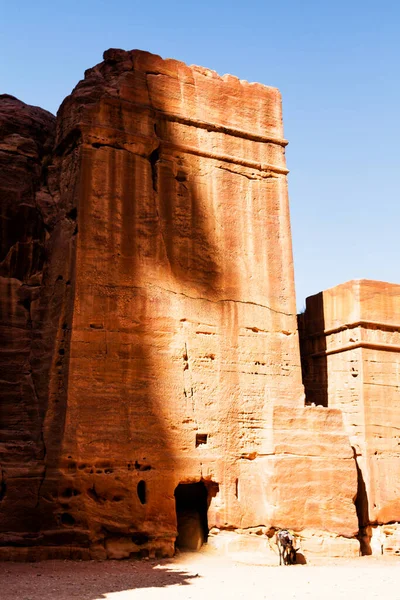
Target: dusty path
pixel 199 577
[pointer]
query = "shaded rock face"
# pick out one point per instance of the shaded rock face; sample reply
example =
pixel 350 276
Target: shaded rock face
pixel 350 346
pixel 34 242
pixel 27 137
pixel 190 531
pixel 165 345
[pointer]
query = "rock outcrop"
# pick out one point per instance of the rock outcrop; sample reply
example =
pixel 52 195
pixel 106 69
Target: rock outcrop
pixel 171 380
pixel 35 238
pixel 351 361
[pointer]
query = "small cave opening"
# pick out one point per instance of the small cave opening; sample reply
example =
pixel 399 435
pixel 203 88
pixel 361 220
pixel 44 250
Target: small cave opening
pixel 67 519
pixel 141 491
pixel 192 501
pixel 3 489
pixel 201 438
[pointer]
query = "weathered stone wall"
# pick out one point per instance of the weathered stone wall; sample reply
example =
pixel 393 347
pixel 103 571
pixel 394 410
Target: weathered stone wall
pixel 36 251
pixel 23 146
pixel 172 348
pixel 184 305
pixel 351 347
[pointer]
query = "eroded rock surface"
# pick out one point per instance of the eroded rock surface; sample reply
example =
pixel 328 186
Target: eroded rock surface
pixel 167 322
pixel 26 141
pixel 36 242
pixel 184 303
pixel 351 361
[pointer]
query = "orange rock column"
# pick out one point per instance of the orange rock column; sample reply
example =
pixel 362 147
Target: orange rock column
pixel 184 333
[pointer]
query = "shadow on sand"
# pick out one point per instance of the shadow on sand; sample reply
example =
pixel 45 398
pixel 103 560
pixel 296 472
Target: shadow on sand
pixel 90 580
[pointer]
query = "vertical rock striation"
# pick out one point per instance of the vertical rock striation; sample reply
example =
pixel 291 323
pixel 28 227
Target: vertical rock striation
pixel 35 235
pixel 164 342
pixel 27 136
pixel 184 332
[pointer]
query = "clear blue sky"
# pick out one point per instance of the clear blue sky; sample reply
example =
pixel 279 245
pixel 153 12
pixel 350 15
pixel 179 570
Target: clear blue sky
pixel 336 64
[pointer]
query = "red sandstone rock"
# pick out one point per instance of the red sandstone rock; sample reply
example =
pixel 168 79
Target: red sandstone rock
pixel 351 349
pixel 315 479
pixel 26 140
pixel 170 365
pixel 34 290
pixel 184 303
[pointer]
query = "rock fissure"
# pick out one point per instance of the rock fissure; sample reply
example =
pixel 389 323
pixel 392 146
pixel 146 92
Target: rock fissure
pixel 252 177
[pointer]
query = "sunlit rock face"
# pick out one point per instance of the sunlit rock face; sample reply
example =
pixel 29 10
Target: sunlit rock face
pixel 172 391
pixel 350 347
pixel 184 334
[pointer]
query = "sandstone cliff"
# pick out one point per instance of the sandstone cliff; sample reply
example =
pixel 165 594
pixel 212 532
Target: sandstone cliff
pixel 36 236
pixel 165 342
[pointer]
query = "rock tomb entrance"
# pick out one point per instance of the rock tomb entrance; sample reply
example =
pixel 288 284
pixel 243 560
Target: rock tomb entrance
pixel 192 501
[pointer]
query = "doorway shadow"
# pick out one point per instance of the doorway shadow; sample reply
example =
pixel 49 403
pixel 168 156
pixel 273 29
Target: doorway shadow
pixel 191 515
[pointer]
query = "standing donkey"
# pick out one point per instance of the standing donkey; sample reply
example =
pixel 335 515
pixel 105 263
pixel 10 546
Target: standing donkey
pixel 285 543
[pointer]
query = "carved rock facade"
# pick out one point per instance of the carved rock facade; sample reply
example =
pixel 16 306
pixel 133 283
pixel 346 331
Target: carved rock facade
pixel 350 338
pixel 165 337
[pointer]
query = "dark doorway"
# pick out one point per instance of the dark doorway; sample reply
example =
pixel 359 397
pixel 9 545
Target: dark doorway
pixel 191 501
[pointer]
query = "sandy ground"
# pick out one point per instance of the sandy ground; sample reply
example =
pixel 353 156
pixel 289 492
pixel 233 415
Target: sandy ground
pixel 197 576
